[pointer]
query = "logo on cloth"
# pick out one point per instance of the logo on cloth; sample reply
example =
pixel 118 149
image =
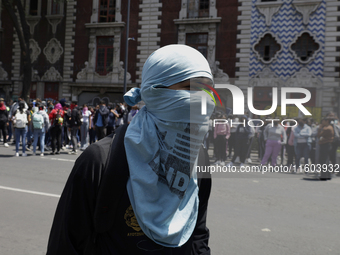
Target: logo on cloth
pixel 131 220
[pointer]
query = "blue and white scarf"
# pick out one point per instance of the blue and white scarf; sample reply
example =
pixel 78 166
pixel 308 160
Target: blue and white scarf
pixel 162 144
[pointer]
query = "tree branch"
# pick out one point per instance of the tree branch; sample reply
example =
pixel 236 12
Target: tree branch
pixel 10 9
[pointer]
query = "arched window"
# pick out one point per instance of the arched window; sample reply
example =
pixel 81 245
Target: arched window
pixel 305 47
pixel 267 48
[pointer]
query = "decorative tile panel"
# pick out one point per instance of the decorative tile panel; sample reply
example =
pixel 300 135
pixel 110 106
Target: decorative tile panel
pixel 286 25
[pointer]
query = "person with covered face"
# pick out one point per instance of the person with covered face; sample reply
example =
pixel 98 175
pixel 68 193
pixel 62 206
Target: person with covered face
pixel 138 192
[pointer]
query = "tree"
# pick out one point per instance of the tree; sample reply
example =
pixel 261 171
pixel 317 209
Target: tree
pixel 22 29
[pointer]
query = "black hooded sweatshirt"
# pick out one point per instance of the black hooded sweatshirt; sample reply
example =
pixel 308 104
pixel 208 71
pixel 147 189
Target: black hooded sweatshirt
pixel 94 214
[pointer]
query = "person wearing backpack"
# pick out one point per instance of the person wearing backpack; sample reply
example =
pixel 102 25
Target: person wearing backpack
pixel 21 118
pixel 40 123
pixel 56 117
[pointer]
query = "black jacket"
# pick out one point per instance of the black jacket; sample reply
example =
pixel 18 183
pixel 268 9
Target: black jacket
pixel 93 213
pixel 3 116
pixel 75 117
pixel 104 112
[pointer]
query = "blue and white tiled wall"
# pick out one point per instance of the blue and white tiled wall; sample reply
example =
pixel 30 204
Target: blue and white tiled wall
pixel 286 25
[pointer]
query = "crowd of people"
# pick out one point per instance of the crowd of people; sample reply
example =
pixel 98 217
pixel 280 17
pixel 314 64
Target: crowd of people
pixel 64 125
pixel 59 126
pixel 315 143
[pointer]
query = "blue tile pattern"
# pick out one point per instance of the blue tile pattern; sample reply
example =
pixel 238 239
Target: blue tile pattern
pixel 286 26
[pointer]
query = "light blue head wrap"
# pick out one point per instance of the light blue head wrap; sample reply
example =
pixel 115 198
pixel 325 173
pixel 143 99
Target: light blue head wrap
pixel 162 144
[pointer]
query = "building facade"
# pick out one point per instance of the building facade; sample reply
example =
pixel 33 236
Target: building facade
pixel 290 43
pixel 78 47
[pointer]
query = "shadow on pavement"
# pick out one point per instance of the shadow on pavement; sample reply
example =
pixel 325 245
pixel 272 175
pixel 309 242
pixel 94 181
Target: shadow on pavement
pixel 7 156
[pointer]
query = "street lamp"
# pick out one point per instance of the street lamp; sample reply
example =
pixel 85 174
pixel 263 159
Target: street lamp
pixel 126 45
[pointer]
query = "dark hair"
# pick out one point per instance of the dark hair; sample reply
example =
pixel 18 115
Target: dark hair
pixel 21 106
pixel 102 102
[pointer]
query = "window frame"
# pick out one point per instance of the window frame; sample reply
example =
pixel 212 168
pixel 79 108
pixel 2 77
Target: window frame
pixel 312 56
pixel 201 12
pixel 30 10
pixel 263 58
pixel 106 47
pixel 50 8
pixel 196 45
pixel 109 18
pixel 27 7
pixel 58 5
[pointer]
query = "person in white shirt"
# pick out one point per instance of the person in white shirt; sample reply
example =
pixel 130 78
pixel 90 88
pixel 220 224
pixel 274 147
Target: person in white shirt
pixel 85 127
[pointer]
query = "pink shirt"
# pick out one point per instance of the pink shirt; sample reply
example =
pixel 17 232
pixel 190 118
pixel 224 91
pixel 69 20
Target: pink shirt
pixel 222 129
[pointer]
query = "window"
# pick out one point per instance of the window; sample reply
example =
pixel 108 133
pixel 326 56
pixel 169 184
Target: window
pixel 198 8
pixel 34 8
pixel 104 55
pixel 107 9
pixel 267 47
pixel 199 42
pixel 51 90
pixel 305 47
pixel 55 7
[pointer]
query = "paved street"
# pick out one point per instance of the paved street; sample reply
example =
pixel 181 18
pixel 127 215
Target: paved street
pixel 249 214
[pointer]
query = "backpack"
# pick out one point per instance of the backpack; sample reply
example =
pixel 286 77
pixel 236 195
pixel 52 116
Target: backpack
pixel 38 121
pixel 21 119
pixel 75 118
pixel 58 120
